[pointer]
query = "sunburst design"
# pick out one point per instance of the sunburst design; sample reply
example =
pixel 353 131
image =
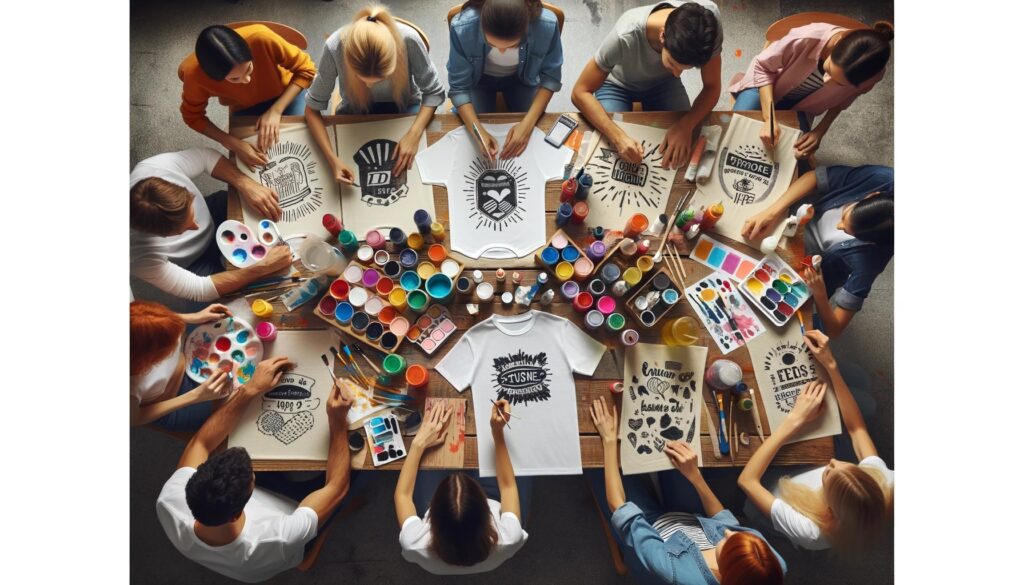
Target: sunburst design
pixel 621 184
pixel 292 173
pixel 495 209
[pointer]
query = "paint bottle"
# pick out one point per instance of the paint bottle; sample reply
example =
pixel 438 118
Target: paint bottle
pixel 417 376
pixel 599 233
pixel 659 224
pixel 570 289
pixel 415 241
pixel 685 217
pixel 517 278
pixel 549 256
pixel 627 246
pixel 437 230
pixel 262 309
pixel 348 240
pixel 711 216
pixel 332 225
pixel 304 293
pixel 485 291
pixel 568 190
pixel 500 274
pixel 506 298
pixel 375 239
pixel 266 331
pixel 585 183
pixel 610 272
pixel 393 364
pixel 478 276
pixel 397 237
pixel 593 319
pixel 723 375
pixel 564 214
pixel 542 278
pixel 596 250
pixel 629 337
pixel 616 387
pixel 643 245
pixel 463 285
pixel 635 225
pixel 698 151
pixel 422 219
pixel 580 211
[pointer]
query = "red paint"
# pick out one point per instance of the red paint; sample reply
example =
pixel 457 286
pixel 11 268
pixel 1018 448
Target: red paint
pixel 568 190
pixel 583 301
pixel 580 211
pixel 332 224
pixel 223 344
pixel 785 309
pixel 763 275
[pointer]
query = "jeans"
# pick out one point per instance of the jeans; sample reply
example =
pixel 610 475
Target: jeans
pixel 428 480
pixel 668 96
pixel 189 418
pixel 296 108
pixel 750 99
pixel 518 96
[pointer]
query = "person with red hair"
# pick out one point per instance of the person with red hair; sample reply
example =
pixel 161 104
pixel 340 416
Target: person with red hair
pixel 687 537
pixel 160 390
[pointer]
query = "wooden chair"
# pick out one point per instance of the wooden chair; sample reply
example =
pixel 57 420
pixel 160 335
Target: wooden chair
pixel 286 32
pixel 335 102
pixel 499 98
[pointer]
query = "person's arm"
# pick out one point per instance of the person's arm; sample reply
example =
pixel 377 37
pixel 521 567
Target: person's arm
pixel 505 474
pixel 489 146
pixel 518 136
pixel 215 387
pixel 679 138
pixel 833 319
pixel 405 153
pixel 762 223
pixel 583 98
pixel 278 259
pixel 807 144
pixel 268 125
pixel 315 123
pixel 339 469
pixel 684 459
pixel 260 197
pixel 288 57
pixel 430 434
pixel 863 446
pixel 607 424
pixel 250 156
pixel 225 419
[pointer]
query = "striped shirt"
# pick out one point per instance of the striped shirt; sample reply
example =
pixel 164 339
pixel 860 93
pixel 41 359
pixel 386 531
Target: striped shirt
pixel 672 522
pixel 810 85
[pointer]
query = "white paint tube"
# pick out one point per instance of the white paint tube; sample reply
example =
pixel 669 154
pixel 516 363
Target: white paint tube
pixel 707 160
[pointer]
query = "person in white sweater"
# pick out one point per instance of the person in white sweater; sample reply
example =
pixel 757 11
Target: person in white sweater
pixel 172 225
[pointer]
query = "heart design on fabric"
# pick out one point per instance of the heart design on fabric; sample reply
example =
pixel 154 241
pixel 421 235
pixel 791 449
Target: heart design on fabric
pixel 644 450
pixel 657 386
pixel 632 439
pixel 635 423
pixel 272 423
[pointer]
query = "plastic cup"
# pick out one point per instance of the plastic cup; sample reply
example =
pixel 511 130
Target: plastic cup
pixel 681 331
pixel 262 308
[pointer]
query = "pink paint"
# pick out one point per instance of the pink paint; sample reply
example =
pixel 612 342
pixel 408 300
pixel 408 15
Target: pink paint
pixel 370 277
pixel 730 263
pixel 606 305
pixel 266 331
pixel 375 239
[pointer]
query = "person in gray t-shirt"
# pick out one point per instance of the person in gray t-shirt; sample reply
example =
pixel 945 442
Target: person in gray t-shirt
pixel 642 59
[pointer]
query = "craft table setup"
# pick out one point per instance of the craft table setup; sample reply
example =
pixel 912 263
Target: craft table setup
pixel 287 413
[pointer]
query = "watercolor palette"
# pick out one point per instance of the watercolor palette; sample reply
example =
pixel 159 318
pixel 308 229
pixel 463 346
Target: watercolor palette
pixel 385 439
pixel 655 298
pixel 718 256
pixel 432 329
pixel 775 289
pixel 723 311
pixel 230 345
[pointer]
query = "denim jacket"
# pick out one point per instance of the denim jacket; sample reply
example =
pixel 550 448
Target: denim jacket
pixel 677 561
pixel 850 267
pixel 540 54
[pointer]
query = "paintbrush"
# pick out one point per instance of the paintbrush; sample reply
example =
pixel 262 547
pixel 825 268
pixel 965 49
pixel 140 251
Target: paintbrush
pixel 711 429
pixel 348 352
pixel 800 317
pixel 735 438
pixel 679 264
pixel 275 280
pixel 723 431
pixel 756 412
pixel 732 452
pixel 341 358
pixel 393 396
pixel 359 350
pixel 771 122
pixel 668 229
pixel 327 363
pixel 502 414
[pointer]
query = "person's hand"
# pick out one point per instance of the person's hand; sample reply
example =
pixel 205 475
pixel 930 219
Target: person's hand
pixel 607 423
pixel 214 312
pixel 815 282
pixel 767 131
pixel 268 373
pixel 761 224
pixel 278 258
pixel 817 342
pixel 268 129
pixel 675 148
pixel 217 386
pixel 432 429
pixel 498 419
pixel 250 156
pixel 338 403
pixel 516 140
pixel 683 458
pixel 405 152
pixel 489 146
pixel 629 150
pixel 341 172
pixel 808 404
pixel 261 198
pixel 807 144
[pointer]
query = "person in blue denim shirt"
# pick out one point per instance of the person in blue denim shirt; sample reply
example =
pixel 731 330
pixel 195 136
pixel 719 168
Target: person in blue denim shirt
pixel 852 229
pixel 687 539
pixel 511 46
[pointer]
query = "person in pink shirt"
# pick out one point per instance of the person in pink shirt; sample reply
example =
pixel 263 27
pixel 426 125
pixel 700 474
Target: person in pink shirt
pixel 814 69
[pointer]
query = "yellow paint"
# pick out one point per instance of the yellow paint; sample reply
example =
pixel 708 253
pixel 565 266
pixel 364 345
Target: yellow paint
pixel 425 270
pixel 707 295
pixel 754 285
pixel 563 271
pixel 632 275
pixel 786 278
pixel 415 241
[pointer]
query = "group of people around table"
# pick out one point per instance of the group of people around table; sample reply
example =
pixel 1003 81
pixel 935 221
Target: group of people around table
pixel 673 529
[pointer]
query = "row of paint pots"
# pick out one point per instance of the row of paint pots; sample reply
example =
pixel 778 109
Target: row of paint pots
pixel 412 288
pixel 380 323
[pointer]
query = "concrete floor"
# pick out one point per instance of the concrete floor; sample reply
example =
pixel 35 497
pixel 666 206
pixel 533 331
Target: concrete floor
pixel 566 543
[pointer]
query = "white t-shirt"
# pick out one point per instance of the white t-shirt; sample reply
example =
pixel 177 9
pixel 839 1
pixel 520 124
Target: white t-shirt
pixel 825 230
pixel 272 540
pixel 152 384
pixel 494 212
pixel 498 64
pixel 415 540
pixel 800 529
pixel 159 260
pixel 527 359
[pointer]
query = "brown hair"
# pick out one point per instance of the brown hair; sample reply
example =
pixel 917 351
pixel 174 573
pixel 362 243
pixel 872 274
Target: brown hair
pixel 461 530
pixel 862 54
pixel 158 206
pixel 506 19
pixel 374 48
pixel 746 559
pixel 153 333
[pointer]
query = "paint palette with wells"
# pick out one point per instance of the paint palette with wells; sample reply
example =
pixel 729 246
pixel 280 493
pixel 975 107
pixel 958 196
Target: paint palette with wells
pixel 241 247
pixel 628 267
pixel 775 289
pixel 230 345
pixel 432 329
pixel 654 298
pixel 560 257
pixel 364 315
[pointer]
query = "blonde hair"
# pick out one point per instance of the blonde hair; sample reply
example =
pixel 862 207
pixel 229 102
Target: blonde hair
pixel 374 48
pixel 853 510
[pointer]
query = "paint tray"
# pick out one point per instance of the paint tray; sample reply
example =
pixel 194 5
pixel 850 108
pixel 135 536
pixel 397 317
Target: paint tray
pixel 658 309
pixel 556 238
pixel 775 289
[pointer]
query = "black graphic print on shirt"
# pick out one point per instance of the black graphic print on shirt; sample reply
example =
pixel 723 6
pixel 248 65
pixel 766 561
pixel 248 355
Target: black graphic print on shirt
pixel 522 378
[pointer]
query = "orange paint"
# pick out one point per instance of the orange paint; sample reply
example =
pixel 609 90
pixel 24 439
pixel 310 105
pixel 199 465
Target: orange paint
pixel 703 249
pixel 744 269
pixel 739 53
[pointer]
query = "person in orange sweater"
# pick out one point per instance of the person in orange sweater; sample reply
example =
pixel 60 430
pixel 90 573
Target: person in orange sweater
pixel 252 69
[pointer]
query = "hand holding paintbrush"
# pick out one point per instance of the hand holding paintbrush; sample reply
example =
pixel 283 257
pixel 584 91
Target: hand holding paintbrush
pixel 501 412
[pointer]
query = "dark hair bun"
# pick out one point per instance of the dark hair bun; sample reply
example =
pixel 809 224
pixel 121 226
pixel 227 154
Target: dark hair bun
pixel 885 28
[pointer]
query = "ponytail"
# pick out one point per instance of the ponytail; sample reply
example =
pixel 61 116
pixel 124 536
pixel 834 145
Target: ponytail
pixel 375 48
pixel 862 54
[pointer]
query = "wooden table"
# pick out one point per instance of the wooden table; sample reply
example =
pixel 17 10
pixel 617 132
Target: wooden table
pixel 610 369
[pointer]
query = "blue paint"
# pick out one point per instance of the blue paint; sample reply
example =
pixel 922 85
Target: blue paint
pixel 242 336
pixel 439 286
pixel 716 257
pixel 570 254
pixel 549 255
pixel 773 295
pixel 239 255
pixel 343 313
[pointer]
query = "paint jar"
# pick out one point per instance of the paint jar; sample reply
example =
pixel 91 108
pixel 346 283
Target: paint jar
pixel 422 219
pixel 681 331
pixel 392 269
pixel 375 239
pixel 661 281
pixel 353 274
pixel 463 285
pixel 437 253
pixel 450 268
pixel 580 211
pixel 506 298
pixel 582 268
pixel 397 237
pixel 570 254
pixel 339 290
pixel 364 254
pixel 583 301
pixel 632 276
pixel 596 287
pixel 645 263
pixel 568 190
pixel 711 216
pixel 598 233
pixel 417 376
pixel 410 281
pixel 616 387
pixel 619 288
pixel 549 256
pixel 262 308
pixel 563 271
pixel 627 246
pixel 629 337
pixel 594 319
pixel 570 289
pixel 397 298
pixel 370 277
pixel 659 223
pixel 647 318
pixel 266 331
pixel 320 257
pixel 484 291
pixel 357 296
pixel 606 305
pixel 439 287
pixel 635 225
pixel 615 322
pixel 559 241
pixel 478 276
pixel 547 297
pixel 585 183
pixel 381 257
pixel 417 300
pixel 596 251
pixel 415 241
pixel 373 306
pixel 610 272
pixel 393 364
pixel 723 374
pixel 425 270
pixel 360 321
pixel 374 331
pixel 385 286
pixel 685 217
pixel 348 240
pixel 437 231
pixel 388 341
pixel 670 296
pixel 343 313
pixel 408 258
pixel 563 214
pixel 517 278
pixel 327 305
pixel 643 246
pixel 331 224
pixel 400 326
pixel 387 314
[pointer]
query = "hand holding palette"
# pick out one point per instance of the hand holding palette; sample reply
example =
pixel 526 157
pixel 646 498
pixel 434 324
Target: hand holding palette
pixel 230 345
pixel 385 439
pixel 718 256
pixel 775 289
pixel 722 310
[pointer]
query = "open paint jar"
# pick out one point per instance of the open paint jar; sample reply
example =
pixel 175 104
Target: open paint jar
pixel 343 313
pixel 266 331
pixel 417 376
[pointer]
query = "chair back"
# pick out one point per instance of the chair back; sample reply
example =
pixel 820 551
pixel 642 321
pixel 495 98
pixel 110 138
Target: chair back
pixel 283 30
pixel 781 27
